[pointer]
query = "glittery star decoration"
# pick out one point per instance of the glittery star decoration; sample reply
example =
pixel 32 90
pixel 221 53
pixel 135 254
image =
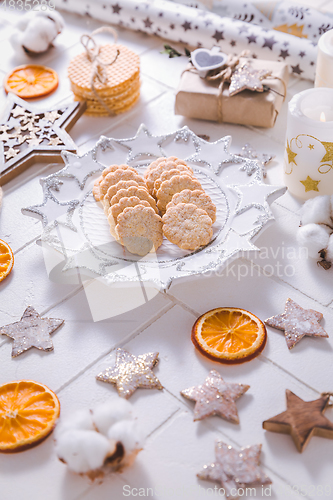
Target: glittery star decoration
pixel 51 210
pixel 79 167
pixel 142 144
pixel 214 154
pixel 215 397
pixel 263 158
pixel 131 372
pixel 310 184
pixel 297 323
pixel 29 135
pixel 31 331
pixel 235 469
pixel 302 420
pixel 263 192
pixel 246 77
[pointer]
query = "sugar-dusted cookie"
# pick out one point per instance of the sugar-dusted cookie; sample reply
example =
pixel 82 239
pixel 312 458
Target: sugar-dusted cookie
pixel 120 175
pixel 106 171
pixel 156 162
pixel 175 185
pixel 139 229
pixel 167 174
pixel 156 172
pixel 198 198
pixel 187 226
pixel 113 190
pixel 140 192
pixel 125 202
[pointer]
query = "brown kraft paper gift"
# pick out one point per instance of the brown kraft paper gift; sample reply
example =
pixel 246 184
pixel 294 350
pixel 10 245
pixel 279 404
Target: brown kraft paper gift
pixel 200 98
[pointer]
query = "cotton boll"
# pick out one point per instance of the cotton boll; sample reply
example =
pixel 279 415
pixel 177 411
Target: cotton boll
pixel 80 420
pixel 36 31
pixel 127 433
pixel 317 211
pixel 329 250
pixel 107 414
pixel 83 451
pixel 314 238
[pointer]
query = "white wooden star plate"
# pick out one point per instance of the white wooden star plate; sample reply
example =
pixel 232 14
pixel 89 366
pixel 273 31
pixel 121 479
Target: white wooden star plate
pixel 80 230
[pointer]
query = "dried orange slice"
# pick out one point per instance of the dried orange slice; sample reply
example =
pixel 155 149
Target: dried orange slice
pixel 229 335
pixel 28 412
pixel 6 260
pixel 31 81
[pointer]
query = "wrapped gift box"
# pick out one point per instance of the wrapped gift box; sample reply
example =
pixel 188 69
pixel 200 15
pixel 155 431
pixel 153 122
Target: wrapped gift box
pixel 201 98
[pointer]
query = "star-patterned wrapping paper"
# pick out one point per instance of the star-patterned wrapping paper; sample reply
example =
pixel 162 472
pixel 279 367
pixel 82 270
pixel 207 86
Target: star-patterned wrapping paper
pixel 200 28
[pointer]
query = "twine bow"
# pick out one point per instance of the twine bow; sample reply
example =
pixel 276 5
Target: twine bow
pixel 98 66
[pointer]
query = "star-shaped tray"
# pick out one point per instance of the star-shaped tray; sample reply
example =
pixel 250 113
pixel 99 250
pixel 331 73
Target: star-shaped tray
pixel 76 226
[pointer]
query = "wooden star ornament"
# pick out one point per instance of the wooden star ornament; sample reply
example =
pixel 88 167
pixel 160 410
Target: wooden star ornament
pixel 31 331
pixel 297 323
pixel 131 372
pixel 302 420
pixel 29 135
pixel 215 397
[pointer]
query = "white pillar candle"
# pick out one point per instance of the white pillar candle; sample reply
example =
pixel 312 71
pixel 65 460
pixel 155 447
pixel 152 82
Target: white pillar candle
pixel 324 67
pixel 308 160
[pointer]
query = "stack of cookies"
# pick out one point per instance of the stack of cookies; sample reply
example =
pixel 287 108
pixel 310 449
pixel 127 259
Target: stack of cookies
pixel 131 211
pixel 132 205
pixel 188 212
pixel 121 88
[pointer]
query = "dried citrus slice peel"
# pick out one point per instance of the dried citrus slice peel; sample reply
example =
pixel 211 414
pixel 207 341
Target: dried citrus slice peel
pixel 28 412
pixel 31 81
pixel 6 260
pixel 229 335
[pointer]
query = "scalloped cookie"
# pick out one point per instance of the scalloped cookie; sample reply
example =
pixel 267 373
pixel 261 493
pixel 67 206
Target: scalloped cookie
pixel 187 226
pixel 120 175
pixel 167 174
pixel 175 185
pixel 106 171
pixel 140 192
pixel 139 229
pixel 156 172
pixel 198 198
pixel 113 190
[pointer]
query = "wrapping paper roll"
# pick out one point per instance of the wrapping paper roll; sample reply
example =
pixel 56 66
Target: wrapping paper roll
pixel 199 28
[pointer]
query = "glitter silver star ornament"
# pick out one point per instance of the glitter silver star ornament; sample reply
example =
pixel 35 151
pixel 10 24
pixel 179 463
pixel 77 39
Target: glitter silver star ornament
pixel 297 323
pixel 31 331
pixel 79 167
pixel 142 144
pixel 52 211
pixel 246 77
pixel 131 372
pixel 262 158
pixel 235 469
pixel 249 195
pixel 214 154
pixel 33 132
pixel 215 397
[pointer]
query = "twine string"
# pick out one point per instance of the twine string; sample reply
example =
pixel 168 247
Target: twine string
pixel 98 65
pixel 330 394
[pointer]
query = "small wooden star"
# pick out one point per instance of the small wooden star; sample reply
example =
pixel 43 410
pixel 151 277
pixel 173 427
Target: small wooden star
pixel 19 117
pixel 31 331
pixel 235 469
pixel 246 77
pixel 310 184
pixel 302 420
pixel 131 372
pixel 215 397
pixel 297 323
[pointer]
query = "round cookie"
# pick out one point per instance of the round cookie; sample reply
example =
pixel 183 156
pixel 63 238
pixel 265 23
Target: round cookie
pixel 125 202
pixel 156 172
pixel 187 226
pixel 120 175
pixel 140 192
pixel 156 162
pixel 175 185
pixel 167 174
pixel 198 198
pixel 139 229
pixel 98 182
pixel 113 190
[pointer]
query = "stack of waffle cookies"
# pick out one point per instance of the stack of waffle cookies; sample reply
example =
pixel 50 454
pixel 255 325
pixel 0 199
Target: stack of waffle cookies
pixel 134 206
pixel 121 89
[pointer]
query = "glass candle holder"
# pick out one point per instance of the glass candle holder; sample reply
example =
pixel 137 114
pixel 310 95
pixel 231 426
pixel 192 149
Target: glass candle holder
pixel 308 160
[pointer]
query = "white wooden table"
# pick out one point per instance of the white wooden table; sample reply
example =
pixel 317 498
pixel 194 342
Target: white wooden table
pixel 176 447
